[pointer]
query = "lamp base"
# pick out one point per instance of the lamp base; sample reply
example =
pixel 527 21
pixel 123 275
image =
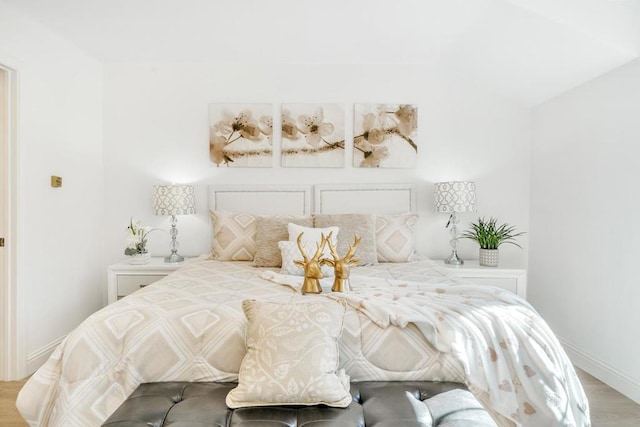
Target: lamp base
pixel 174 258
pixel 453 259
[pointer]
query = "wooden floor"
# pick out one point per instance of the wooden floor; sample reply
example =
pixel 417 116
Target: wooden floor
pixel 608 407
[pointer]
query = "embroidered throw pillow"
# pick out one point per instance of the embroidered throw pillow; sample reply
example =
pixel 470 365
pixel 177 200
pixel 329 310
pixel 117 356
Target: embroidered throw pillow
pixel 269 231
pixel 234 236
pixel 363 225
pixel 395 239
pixel 292 355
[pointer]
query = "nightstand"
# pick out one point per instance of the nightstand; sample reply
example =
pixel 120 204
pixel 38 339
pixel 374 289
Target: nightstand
pixel 124 278
pixel 512 279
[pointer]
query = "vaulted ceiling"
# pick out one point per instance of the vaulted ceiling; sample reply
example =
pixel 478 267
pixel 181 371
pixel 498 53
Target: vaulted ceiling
pixel 527 50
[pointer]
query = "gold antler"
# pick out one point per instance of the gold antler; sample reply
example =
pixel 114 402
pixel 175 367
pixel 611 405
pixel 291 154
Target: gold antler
pixel 352 248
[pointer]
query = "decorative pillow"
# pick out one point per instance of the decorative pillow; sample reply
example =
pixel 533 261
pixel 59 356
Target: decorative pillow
pixel 312 237
pixel 290 252
pixel 269 231
pixel 362 225
pixel 395 237
pixel 234 236
pixel 292 355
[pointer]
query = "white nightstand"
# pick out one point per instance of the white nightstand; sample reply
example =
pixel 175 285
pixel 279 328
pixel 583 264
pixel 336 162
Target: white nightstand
pixel 512 279
pixel 124 278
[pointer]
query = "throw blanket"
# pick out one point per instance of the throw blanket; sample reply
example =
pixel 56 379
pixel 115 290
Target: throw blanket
pixel 512 361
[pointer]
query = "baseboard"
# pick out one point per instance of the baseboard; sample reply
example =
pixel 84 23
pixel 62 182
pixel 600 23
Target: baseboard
pixel 37 358
pixel 603 371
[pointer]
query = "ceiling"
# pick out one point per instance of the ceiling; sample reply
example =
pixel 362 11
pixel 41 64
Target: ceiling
pixel 526 50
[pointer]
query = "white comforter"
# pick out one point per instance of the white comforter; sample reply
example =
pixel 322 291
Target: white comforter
pixel 190 327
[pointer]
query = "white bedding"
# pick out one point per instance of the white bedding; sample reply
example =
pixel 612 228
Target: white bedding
pixel 189 326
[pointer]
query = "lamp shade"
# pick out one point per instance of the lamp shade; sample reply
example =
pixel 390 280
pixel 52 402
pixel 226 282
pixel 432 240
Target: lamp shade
pixel 174 200
pixel 455 196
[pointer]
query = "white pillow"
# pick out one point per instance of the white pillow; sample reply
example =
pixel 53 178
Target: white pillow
pixel 312 237
pixel 290 252
pixel 292 355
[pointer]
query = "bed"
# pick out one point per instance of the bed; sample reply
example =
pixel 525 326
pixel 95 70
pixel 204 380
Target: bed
pixel 405 319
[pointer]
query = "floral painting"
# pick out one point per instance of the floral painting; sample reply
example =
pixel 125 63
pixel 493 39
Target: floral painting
pixel 312 135
pixel 384 135
pixel 240 135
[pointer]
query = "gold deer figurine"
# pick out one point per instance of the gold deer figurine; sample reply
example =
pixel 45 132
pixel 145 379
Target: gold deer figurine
pixel 342 266
pixel 312 267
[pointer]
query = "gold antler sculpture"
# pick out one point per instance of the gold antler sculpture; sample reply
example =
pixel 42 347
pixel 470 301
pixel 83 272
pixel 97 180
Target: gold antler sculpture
pixel 342 266
pixel 312 267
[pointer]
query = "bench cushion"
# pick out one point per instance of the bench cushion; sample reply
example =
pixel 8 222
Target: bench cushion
pixel 375 404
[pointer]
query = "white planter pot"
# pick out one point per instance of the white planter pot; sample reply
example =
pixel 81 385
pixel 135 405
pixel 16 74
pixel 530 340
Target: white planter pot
pixel 489 257
pixel 140 258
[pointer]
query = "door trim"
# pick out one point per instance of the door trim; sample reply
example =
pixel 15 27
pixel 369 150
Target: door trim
pixel 12 342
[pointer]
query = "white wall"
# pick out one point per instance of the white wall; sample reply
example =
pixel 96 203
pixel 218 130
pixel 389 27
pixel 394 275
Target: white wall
pixel 60 270
pixel 156 131
pixel 584 224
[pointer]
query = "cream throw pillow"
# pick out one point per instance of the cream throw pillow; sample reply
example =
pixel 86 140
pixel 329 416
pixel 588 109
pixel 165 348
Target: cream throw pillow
pixel 234 236
pixel 292 355
pixel 363 225
pixel 395 241
pixel 290 253
pixel 312 237
pixel 269 231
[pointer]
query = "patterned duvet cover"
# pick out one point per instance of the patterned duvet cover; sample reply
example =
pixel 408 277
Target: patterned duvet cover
pixel 189 326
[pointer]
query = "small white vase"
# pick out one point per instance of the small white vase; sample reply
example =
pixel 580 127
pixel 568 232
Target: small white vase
pixel 140 258
pixel 489 257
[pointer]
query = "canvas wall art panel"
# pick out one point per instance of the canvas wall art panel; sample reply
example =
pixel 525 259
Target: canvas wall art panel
pixel 385 135
pixel 240 135
pixel 312 135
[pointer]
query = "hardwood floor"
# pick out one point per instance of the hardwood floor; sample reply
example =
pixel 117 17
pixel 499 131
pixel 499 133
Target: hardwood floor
pixel 608 407
pixel 9 416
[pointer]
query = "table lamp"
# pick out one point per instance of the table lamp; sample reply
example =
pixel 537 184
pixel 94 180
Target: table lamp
pixel 174 200
pixel 454 197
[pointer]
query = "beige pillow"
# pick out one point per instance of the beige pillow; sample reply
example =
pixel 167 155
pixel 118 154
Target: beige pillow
pixel 234 236
pixel 395 241
pixel 292 355
pixel 362 225
pixel 269 231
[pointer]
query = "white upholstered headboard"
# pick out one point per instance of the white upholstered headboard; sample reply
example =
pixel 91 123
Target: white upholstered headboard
pixel 261 199
pixel 381 199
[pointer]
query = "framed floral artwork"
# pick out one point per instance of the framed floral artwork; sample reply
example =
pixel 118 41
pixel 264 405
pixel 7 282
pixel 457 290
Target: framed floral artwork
pixel 312 135
pixel 384 135
pixel 240 135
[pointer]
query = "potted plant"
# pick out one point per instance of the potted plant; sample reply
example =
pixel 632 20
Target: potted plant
pixel 490 236
pixel 137 243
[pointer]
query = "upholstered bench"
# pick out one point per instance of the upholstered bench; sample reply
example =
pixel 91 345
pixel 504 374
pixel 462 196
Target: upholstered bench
pixel 379 404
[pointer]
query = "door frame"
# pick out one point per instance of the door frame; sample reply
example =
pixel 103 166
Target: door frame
pixel 12 342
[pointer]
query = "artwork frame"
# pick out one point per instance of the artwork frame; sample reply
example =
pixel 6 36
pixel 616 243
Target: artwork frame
pixel 312 135
pixel 240 134
pixel 385 135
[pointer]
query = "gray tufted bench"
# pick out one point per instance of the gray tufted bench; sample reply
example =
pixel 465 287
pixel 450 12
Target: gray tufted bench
pixel 375 403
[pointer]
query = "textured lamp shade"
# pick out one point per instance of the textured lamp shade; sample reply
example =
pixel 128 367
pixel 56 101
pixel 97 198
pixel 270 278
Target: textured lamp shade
pixel 455 196
pixel 174 200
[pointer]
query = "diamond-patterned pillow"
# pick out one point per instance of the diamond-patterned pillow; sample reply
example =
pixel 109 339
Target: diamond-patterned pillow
pixel 395 239
pixel 292 355
pixel 234 236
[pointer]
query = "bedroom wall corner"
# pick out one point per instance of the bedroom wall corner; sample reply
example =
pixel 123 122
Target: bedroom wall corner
pixel 584 229
pixel 60 275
